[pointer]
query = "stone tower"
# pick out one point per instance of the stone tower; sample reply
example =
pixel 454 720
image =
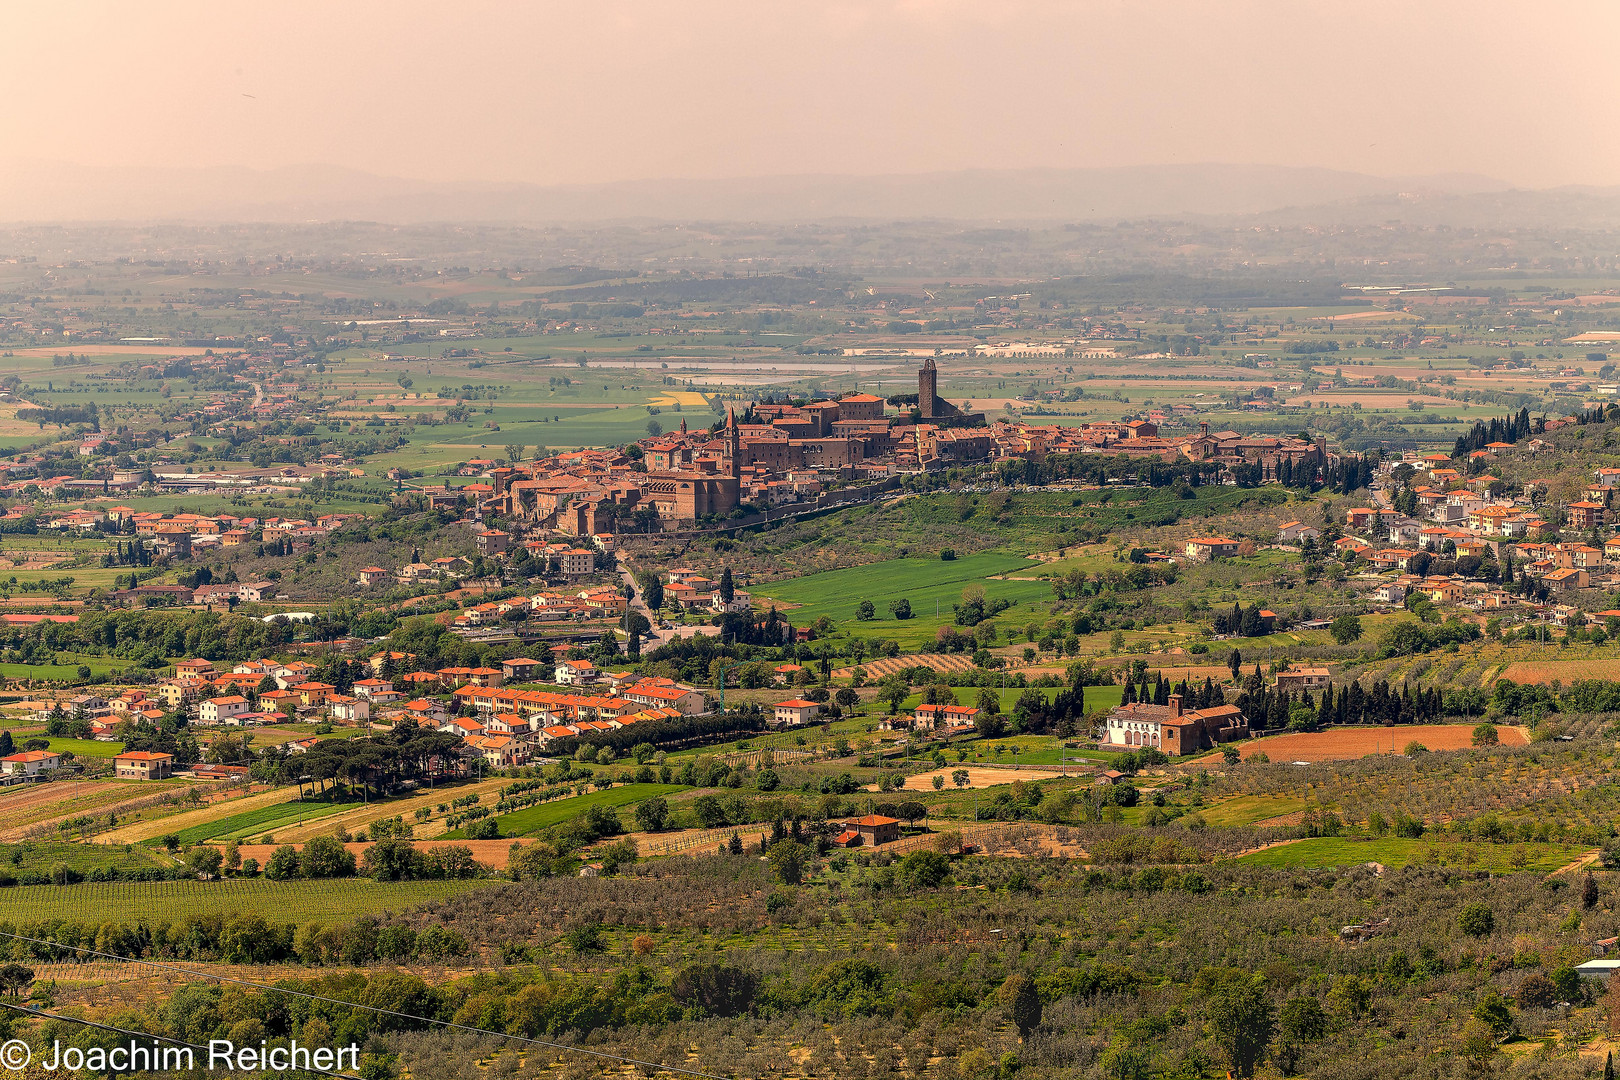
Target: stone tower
pixel 733 443
pixel 927 388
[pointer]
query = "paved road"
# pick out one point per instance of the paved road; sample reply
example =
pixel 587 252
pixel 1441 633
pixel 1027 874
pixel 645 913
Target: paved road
pixel 627 574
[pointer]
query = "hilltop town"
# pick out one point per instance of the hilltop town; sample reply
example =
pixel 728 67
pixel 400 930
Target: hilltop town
pixel 844 596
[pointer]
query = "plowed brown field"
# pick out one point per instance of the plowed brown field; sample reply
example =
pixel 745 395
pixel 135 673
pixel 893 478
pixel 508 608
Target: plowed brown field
pixel 492 853
pixel 1342 744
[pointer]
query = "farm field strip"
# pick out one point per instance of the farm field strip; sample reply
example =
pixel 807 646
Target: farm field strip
pixel 256 823
pixel 978 777
pixel 1249 809
pixel 299 902
pixel 62 801
pixel 1346 743
pixel 138 831
pixel 532 819
pixel 1392 853
pixel 1543 672
pixel 356 816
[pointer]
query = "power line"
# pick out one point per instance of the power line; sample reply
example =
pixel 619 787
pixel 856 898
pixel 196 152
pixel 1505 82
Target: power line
pixel 26 1011
pixel 368 1008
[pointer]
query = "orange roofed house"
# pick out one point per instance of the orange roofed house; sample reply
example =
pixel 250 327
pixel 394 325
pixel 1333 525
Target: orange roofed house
pixel 1205 548
pixel 1175 732
pixel 1585 515
pixel 873 829
pixel 143 765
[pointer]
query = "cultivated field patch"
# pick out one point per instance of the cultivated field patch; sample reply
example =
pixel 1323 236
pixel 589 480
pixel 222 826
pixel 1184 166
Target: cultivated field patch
pixel 977 777
pixel 1392 853
pixel 1544 672
pixel 281 901
pixel 492 853
pixel 1343 744
pixel 889 665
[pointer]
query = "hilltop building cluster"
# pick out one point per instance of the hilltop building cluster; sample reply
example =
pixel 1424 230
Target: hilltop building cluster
pixel 778 454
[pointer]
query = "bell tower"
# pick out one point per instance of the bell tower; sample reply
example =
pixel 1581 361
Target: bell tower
pixel 733 443
pixel 927 388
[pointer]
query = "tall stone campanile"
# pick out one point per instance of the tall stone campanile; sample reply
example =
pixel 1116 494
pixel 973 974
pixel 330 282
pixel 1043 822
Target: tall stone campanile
pixel 927 388
pixel 733 443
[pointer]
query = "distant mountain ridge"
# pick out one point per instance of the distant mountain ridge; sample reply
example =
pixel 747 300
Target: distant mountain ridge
pixel 54 192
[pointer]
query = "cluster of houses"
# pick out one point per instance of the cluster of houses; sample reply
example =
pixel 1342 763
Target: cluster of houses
pixel 946 719
pixel 603 603
pixel 1273 455
pixel 130 765
pixel 509 726
pixel 506 726
pixel 179 535
pixel 569 559
pixel 686 591
pixel 1463 522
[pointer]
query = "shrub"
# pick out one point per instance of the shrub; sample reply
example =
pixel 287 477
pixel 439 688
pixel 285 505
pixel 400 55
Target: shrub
pixel 1492 1011
pixel 849 988
pixel 283 863
pixel 585 939
pixel 325 857
pixel 924 869
pixel 1537 992
pixel 1476 919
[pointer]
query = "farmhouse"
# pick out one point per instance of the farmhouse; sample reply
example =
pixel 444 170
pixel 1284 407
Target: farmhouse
pixel 575 673
pixel 873 829
pixel 1168 728
pixel 1205 548
pixel 941 717
pixel 796 711
pixel 348 710
pixel 1303 678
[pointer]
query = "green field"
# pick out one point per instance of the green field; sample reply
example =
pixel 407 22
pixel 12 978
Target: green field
pixel 98 665
pixel 930 584
pixel 1248 809
pixel 42 855
pixel 279 901
pixel 86 748
pixel 1098 698
pixel 1026 750
pixel 533 819
pixel 253 824
pixel 1394 853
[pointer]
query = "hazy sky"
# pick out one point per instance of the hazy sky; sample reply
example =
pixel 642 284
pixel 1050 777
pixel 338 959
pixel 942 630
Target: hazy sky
pixel 592 90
